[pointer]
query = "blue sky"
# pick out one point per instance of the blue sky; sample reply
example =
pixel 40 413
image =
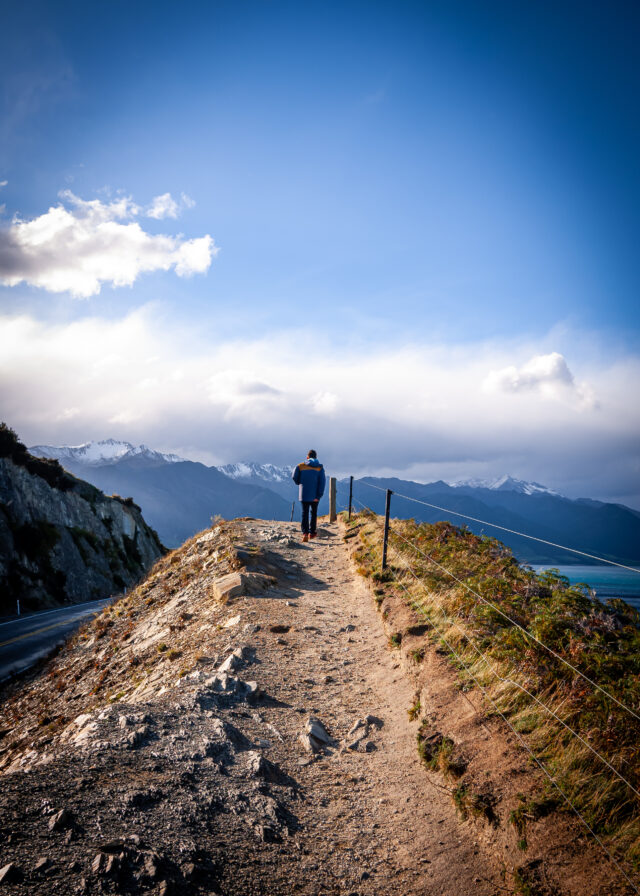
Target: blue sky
pixel 443 195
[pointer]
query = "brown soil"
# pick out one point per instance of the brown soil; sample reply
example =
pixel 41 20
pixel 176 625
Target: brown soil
pixel 203 790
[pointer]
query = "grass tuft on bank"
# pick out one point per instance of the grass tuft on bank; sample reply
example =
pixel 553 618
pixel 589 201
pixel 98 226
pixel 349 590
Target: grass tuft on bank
pixel 526 682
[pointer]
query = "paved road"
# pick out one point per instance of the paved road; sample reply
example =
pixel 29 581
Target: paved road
pixel 26 639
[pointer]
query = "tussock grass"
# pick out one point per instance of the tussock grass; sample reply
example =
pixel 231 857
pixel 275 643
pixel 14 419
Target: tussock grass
pixel 602 640
pixel 414 710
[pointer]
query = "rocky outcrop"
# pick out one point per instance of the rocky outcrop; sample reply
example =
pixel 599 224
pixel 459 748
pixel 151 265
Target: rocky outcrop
pixel 64 541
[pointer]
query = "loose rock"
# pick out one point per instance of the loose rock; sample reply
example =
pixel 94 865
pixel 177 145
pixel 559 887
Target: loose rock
pixel 43 864
pixel 61 820
pixel 10 874
pixel 314 736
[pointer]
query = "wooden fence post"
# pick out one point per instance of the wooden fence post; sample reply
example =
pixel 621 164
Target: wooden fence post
pixel 387 511
pixel 333 516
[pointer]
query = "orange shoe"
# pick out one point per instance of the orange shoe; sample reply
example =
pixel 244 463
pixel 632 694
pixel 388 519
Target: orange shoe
pixel 313 535
pixel 305 538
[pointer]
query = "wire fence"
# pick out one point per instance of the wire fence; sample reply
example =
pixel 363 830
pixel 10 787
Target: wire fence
pixel 525 631
pixel 474 519
pixel 507 678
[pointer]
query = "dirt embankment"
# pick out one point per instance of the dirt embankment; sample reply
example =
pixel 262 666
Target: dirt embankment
pixel 239 725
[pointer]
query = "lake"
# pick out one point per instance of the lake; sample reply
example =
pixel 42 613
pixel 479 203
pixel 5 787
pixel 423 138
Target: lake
pixel 606 581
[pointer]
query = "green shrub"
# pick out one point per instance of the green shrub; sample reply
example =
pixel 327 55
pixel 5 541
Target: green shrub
pixel 491 610
pixel 35 540
pixel 133 558
pixel 80 537
pixel 47 468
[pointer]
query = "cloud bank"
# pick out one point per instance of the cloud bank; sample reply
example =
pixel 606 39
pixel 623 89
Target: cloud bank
pixel 78 245
pixel 419 411
pixel 547 375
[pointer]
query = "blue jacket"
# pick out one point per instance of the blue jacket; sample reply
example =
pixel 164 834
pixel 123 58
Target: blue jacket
pixel 309 475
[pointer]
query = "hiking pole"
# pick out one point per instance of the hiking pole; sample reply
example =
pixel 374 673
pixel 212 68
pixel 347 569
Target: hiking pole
pixel 332 500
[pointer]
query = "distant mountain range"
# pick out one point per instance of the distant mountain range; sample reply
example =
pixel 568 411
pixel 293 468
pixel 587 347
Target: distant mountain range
pixel 263 472
pixel 178 497
pixel 610 531
pixel 505 484
pixel 96 454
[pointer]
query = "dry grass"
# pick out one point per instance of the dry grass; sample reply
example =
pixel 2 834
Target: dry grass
pixel 601 640
pixel 414 710
pixel 104 662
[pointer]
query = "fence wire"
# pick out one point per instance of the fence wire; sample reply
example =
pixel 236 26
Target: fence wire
pixel 421 610
pixel 474 519
pixel 524 630
pixel 512 681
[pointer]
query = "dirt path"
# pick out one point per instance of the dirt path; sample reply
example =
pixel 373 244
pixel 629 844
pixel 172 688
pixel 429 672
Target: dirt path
pixel 371 822
pixel 161 751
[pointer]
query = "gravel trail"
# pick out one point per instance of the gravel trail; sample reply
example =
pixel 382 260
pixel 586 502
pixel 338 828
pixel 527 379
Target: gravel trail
pixel 371 822
pixel 231 730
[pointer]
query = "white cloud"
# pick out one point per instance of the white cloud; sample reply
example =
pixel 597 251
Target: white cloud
pixel 240 394
pixel 548 375
pixel 68 413
pixel 163 207
pixel 324 403
pixel 414 410
pixel 194 256
pixel 81 245
pixel 539 372
pixel 3 183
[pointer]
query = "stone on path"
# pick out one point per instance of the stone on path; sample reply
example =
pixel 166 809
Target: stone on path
pixel 228 586
pixel 10 874
pixel 237 659
pixel 314 736
pixel 43 864
pixel 59 821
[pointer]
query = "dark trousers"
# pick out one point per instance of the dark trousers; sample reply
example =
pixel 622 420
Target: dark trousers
pixel 306 507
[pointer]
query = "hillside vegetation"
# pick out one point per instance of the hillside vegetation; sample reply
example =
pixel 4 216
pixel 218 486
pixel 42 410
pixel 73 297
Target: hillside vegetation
pixel 611 531
pixel 487 619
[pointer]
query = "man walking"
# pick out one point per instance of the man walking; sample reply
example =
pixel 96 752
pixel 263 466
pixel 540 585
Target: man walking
pixel 309 476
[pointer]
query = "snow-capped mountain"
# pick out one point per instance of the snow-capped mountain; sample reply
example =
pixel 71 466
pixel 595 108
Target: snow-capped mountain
pixel 94 454
pixel 506 484
pixel 251 470
pixel 178 496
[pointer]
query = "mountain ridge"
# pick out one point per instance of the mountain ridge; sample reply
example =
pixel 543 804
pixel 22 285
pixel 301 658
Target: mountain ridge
pixel 103 452
pixel 505 483
pixel 61 539
pixel 113 450
pixel 179 497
